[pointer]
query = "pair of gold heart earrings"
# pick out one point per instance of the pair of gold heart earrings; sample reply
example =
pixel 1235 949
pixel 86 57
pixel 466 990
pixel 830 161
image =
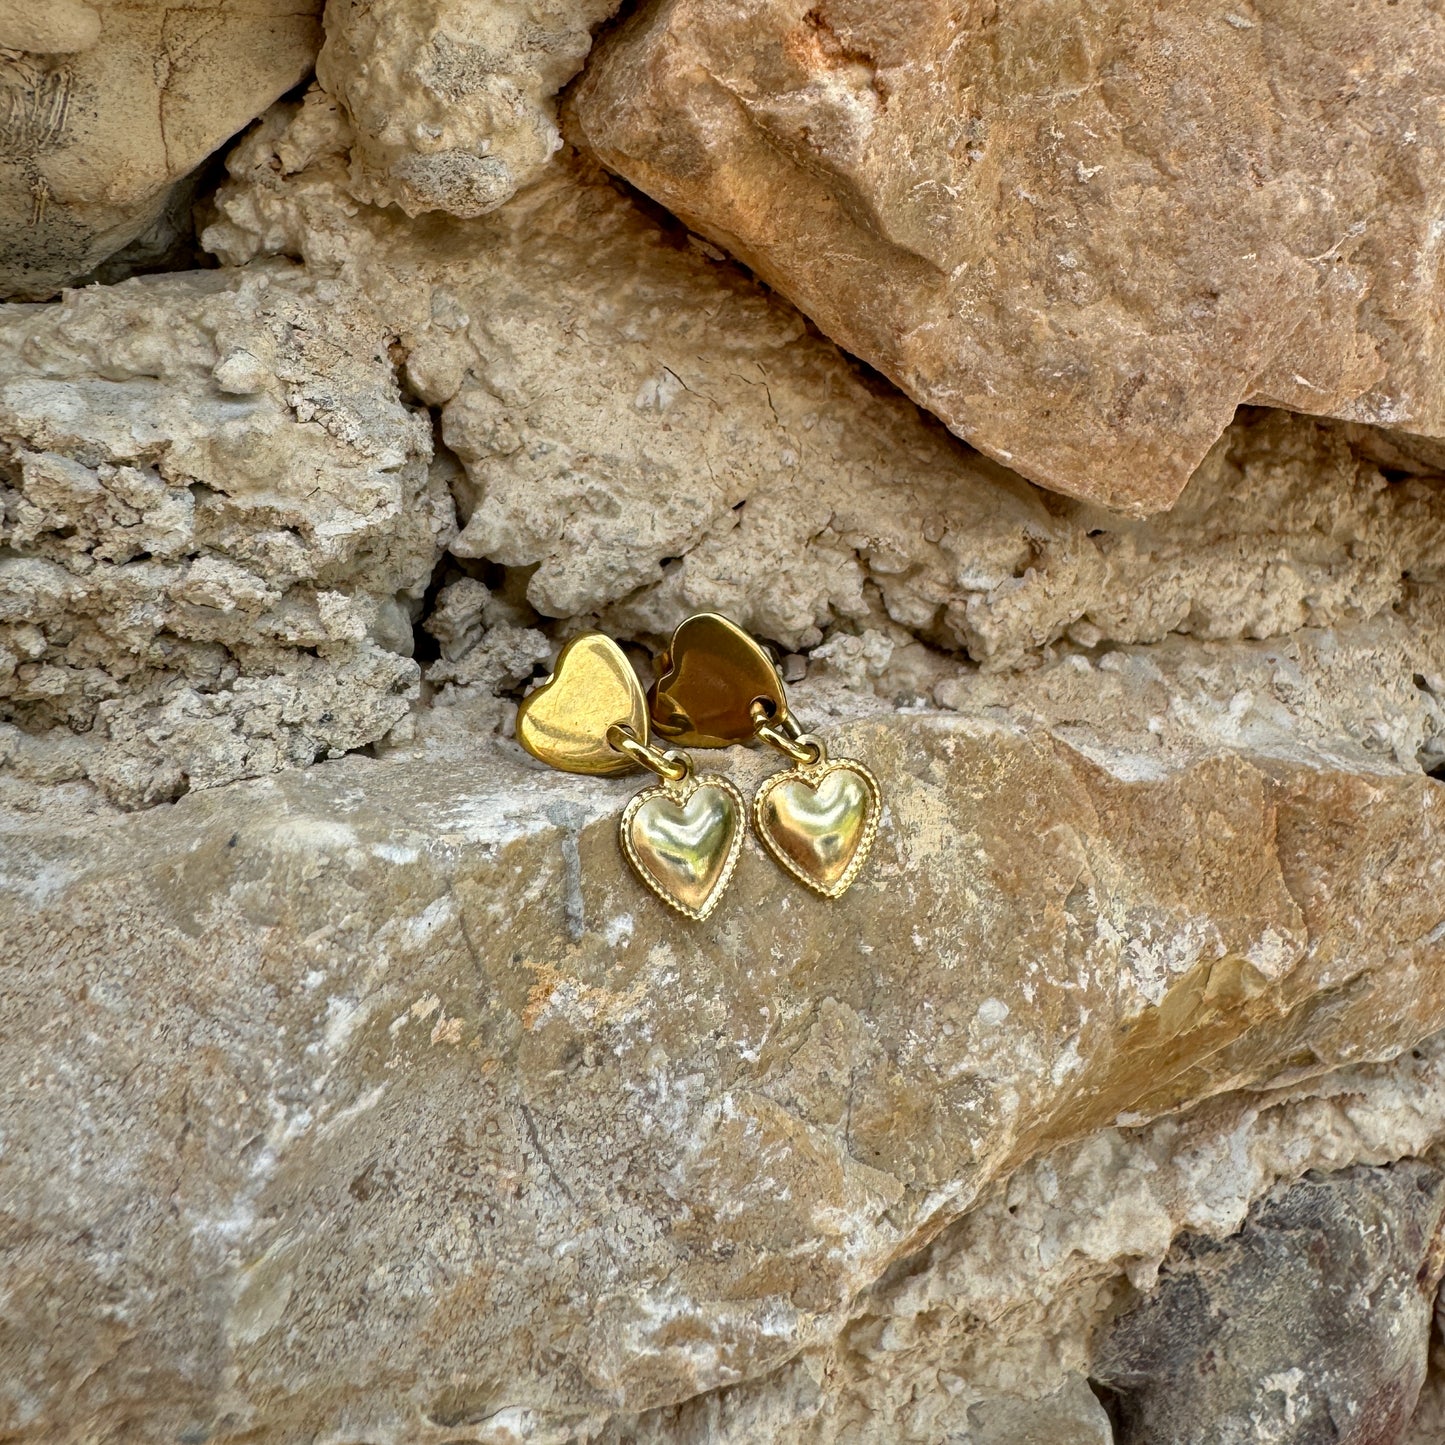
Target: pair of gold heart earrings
pixel 716 687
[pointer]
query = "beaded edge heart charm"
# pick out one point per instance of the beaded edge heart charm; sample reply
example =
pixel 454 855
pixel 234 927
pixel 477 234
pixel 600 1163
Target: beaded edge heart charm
pixel 680 794
pixel 766 822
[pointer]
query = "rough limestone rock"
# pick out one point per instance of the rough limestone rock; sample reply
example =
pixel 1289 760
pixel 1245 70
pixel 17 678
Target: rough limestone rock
pixel 105 105
pixel 452 100
pixel 1350 695
pixel 649 433
pixel 1081 234
pixel 1427 1425
pixel 378 1100
pixel 216 521
pixel 370 1098
pixel 1312 1323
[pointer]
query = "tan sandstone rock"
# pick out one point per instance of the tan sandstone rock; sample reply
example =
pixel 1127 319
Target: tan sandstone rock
pixel 1080 234
pixel 374 1100
pixel 377 1100
pixel 452 100
pixel 992 1327
pixel 104 105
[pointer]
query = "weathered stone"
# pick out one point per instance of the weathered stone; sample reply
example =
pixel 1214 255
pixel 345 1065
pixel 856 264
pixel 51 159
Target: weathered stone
pixel 452 100
pixel 379 1098
pixel 217 521
pixel 1290 524
pixel 1081 235
pixel 1071 1413
pixel 1312 1324
pixel 1358 695
pixel 996 1317
pixel 651 433
pixel 63 27
pixel 103 106
pixel 376 1101
pixel 1427 1425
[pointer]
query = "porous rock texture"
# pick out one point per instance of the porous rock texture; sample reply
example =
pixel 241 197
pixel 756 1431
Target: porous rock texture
pixel 218 518
pixel 650 433
pixel 452 101
pixel 362 1093
pixel 105 108
pixel 646 434
pixel 1081 234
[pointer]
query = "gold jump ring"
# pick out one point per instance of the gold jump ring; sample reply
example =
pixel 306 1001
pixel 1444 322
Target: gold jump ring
pixel 671 765
pixel 802 748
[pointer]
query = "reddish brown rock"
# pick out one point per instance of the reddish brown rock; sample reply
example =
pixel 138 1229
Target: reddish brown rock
pixel 1080 234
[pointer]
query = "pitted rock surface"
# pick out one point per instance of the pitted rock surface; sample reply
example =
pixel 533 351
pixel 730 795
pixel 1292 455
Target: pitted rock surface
pixel 452 100
pixel 218 516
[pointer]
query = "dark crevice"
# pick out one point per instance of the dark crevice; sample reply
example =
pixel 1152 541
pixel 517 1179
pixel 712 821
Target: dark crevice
pixel 424 647
pixel 173 241
pixel 507 585
pixel 1113 1407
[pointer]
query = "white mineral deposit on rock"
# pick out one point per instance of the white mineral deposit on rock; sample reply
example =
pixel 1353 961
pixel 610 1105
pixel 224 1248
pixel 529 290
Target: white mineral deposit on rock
pixel 355 1090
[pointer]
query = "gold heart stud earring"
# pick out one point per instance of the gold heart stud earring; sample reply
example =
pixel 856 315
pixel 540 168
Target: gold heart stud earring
pixel 682 836
pixel 717 686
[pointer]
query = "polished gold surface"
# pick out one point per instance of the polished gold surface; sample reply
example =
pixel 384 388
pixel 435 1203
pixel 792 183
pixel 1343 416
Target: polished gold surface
pixel 683 840
pixel 593 688
pixel 819 822
pixel 794 744
pixel 707 683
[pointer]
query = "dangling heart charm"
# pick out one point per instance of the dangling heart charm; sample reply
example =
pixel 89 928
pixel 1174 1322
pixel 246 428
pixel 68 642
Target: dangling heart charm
pixel 819 821
pixel 683 840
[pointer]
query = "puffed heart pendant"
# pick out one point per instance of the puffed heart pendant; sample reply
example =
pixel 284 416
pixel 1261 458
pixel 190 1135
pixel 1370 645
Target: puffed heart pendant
pixel 683 836
pixel 819 821
pixel 683 840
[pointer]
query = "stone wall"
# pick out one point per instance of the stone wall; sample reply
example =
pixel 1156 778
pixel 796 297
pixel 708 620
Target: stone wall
pixel 356 1092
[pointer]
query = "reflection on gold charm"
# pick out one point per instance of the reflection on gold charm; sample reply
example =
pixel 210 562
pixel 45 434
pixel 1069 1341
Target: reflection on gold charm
pixel 819 821
pixel 708 681
pixel 565 721
pixel 716 686
pixel 683 838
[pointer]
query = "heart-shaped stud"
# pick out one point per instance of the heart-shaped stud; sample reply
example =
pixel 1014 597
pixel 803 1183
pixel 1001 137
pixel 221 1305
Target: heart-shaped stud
pixel 708 680
pixel 564 722
pixel 683 840
pixel 819 822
